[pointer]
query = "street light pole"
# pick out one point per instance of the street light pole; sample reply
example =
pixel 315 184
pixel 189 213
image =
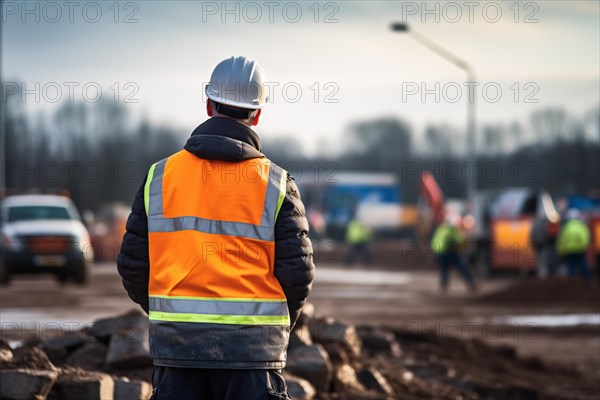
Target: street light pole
pixel 3 173
pixel 471 144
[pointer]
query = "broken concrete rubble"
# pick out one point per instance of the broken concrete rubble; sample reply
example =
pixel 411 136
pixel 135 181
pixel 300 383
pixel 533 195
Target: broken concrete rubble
pixel 74 384
pixel 327 360
pixel 131 389
pixel 32 358
pixel 328 330
pixel 26 384
pixel 345 380
pixel 131 322
pixel 311 362
pixel 6 354
pixel 129 349
pixel 90 356
pixel 378 340
pixel 372 379
pixel 299 389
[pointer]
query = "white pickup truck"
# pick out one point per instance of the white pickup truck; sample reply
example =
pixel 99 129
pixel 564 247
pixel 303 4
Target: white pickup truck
pixel 43 233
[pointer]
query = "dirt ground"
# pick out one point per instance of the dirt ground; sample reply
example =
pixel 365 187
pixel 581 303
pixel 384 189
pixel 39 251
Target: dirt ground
pixel 505 312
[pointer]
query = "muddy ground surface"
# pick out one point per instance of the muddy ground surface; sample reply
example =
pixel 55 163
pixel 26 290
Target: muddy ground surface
pixel 467 334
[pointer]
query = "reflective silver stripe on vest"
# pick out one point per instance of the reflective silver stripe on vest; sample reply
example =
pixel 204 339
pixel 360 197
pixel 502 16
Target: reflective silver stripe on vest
pixel 156 204
pixel 219 307
pixel 272 196
pixel 265 231
pixel 210 226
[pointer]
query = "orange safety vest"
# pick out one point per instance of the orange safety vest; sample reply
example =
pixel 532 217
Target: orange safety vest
pixel 211 233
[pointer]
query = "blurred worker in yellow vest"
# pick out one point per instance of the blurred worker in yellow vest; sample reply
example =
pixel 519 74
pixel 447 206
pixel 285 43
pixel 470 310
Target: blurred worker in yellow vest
pixel 447 243
pixel 573 241
pixel 358 236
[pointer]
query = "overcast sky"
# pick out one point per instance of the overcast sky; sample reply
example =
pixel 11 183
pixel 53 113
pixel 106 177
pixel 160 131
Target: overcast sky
pixel 342 56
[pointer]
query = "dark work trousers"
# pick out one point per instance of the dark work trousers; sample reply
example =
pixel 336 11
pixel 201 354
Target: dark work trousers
pixel 171 383
pixel 577 262
pixel 358 251
pixel 453 258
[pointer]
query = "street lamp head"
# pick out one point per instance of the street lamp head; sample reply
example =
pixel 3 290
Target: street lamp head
pixel 399 27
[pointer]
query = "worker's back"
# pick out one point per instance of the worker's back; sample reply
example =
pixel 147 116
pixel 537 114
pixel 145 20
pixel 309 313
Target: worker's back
pixel 211 231
pixel 574 237
pixel 446 238
pixel 357 232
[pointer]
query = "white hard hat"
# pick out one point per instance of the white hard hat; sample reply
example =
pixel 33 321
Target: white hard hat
pixel 452 219
pixel 238 82
pixel 573 213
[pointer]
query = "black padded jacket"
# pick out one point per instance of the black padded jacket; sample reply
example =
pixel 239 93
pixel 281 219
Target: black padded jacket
pixel 228 140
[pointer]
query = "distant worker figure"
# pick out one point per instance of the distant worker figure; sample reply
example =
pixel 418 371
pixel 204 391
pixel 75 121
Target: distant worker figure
pixel 446 243
pixel 217 253
pixel 358 236
pixel 572 243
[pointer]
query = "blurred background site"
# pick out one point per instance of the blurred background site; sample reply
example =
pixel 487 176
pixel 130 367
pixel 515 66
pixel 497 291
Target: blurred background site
pixel 395 118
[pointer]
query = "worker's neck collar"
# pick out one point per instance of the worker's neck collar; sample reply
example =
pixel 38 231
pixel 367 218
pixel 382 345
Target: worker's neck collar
pixel 231 128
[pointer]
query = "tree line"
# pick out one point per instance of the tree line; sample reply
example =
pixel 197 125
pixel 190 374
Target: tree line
pixel 100 155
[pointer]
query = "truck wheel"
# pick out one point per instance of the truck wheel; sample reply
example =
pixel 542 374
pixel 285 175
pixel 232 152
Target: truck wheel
pixel 4 274
pixel 63 278
pixel 81 273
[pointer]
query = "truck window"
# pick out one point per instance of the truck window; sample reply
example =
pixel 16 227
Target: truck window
pixel 28 213
pixel 530 205
pixel 507 205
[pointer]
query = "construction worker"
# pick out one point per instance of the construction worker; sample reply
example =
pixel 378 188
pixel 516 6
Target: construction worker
pixel 572 243
pixel 446 243
pixel 217 252
pixel 358 236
